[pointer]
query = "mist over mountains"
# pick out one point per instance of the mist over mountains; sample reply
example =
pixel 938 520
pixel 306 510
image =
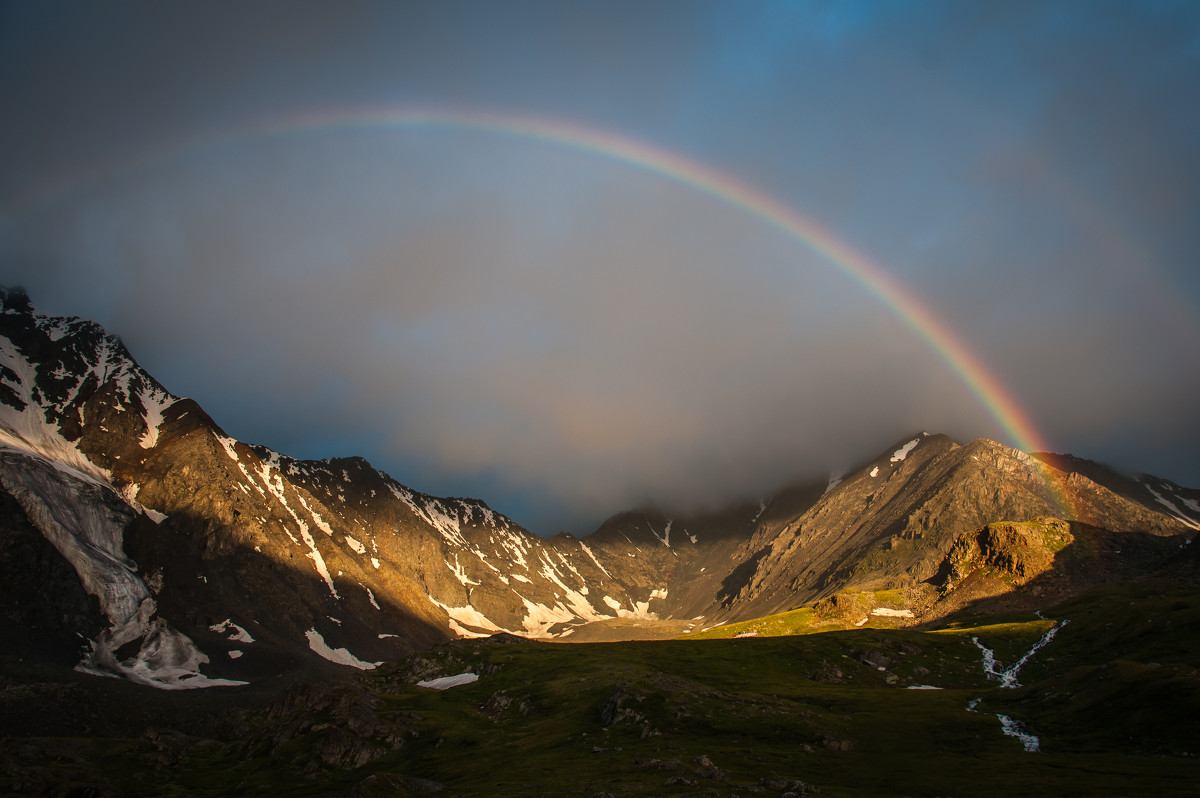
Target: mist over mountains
pixel 204 560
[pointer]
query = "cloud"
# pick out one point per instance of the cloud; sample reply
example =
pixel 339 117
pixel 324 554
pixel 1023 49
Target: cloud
pixel 649 342
pixel 476 312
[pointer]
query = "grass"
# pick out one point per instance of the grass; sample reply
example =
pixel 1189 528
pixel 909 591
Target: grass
pixel 1008 640
pixel 793 622
pixel 1113 700
pixel 849 610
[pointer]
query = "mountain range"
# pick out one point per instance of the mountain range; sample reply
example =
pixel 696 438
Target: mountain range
pixel 945 619
pixel 140 540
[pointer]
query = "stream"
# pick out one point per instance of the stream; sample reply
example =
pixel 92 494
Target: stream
pixel 1008 680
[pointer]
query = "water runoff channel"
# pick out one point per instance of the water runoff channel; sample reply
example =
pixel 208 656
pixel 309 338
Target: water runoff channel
pixel 1008 680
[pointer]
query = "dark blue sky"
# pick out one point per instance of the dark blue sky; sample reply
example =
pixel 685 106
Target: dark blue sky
pixel 564 335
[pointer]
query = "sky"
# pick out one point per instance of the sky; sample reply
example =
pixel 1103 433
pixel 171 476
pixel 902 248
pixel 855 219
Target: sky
pixel 577 257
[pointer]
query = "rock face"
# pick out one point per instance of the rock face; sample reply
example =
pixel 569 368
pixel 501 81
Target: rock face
pixel 85 523
pixel 198 558
pixel 32 567
pixel 1007 565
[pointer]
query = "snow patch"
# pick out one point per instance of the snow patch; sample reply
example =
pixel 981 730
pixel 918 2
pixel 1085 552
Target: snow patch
pixel 574 598
pixel 337 655
pixel 588 552
pixel 431 511
pixel 665 537
pixel 469 616
pixel 905 450
pixel 227 444
pixel 129 494
pixel 641 609
pixel 154 515
pixel 462 631
pixel 888 612
pixel 238 634
pixel 274 483
pixel 539 618
pixel 460 572
pixel 155 402
pixel 1174 510
pixel 317 519
pixel 640 612
pixel 446 682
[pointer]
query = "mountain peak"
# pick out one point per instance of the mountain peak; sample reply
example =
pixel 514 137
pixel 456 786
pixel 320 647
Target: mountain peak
pixel 15 299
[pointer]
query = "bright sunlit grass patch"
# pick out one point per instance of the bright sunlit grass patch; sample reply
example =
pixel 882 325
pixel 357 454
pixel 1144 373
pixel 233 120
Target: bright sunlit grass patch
pixel 879 609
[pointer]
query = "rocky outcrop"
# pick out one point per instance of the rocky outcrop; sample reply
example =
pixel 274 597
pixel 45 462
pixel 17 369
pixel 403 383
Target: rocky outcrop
pixel 1016 551
pixel 349 729
pixel 1007 566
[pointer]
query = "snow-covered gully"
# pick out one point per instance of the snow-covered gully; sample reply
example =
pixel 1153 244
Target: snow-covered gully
pixel 1008 680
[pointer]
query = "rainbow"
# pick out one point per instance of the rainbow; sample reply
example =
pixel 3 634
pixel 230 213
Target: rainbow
pixel 719 186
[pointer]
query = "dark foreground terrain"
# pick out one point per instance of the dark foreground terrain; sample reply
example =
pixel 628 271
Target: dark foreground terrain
pixel 1112 700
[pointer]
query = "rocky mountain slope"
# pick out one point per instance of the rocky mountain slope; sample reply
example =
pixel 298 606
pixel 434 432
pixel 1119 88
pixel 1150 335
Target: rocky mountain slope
pixel 202 560
pixel 891 523
pixel 204 551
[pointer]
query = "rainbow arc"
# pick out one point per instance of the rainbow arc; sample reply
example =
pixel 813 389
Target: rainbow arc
pixel 724 188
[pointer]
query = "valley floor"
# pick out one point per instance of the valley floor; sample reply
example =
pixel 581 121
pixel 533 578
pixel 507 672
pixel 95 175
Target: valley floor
pixel 1112 699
